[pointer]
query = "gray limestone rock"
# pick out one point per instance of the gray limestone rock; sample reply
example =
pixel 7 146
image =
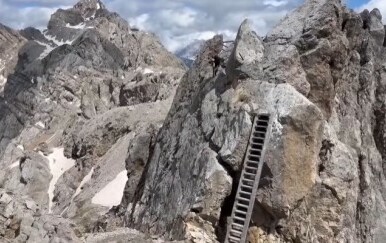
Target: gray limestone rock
pixel 321 77
pixel 22 220
pixel 71 97
pixel 111 97
pixel 247 53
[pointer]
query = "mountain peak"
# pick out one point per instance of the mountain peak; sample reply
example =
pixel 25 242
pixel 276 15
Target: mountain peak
pixel 87 5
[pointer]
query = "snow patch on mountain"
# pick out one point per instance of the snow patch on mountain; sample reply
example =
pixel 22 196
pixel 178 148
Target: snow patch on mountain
pixel 40 124
pixel 13 165
pixel 143 70
pixel 111 194
pixel 3 80
pixel 80 26
pixel 58 164
pixel 56 41
pixel 2 65
pixel 46 51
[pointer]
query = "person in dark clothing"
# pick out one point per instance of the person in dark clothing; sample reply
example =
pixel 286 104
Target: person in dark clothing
pixel 216 62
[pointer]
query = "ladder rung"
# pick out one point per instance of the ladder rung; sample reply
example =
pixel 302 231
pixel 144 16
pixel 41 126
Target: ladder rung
pixel 242 199
pixel 255 150
pixel 246 186
pixel 246 173
pixel 247 180
pixel 236 233
pixel 238 218
pixel 258 138
pixel 238 225
pixel 250 168
pixel 242 206
pixel 237 229
pixel 241 212
pixel 246 193
pixel 252 162
pixel 234 239
pixel 259 132
pixel 255 154
pixel 257 135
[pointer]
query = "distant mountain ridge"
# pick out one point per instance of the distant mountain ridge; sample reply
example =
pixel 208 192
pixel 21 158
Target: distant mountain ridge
pixel 189 53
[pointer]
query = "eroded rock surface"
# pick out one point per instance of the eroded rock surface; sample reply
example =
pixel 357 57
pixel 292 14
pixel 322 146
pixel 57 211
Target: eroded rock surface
pixel 320 74
pixel 82 105
pixel 111 102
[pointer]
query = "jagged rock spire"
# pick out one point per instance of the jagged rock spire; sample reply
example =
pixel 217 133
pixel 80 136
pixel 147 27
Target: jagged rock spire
pixel 87 5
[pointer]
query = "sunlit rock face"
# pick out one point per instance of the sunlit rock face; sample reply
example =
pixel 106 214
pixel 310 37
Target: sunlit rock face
pixel 320 75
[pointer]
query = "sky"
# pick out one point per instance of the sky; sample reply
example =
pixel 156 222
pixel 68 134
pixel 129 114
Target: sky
pixel 176 22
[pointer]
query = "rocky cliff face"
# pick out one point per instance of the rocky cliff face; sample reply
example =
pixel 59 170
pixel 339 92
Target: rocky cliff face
pixel 320 74
pixel 99 134
pixel 10 43
pixel 82 105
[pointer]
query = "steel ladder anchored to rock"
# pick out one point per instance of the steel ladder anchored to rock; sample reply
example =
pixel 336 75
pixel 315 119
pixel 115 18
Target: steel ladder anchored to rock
pixel 249 180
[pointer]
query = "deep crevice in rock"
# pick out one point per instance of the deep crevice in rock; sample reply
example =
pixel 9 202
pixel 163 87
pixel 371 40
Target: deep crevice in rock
pixel 360 208
pixel 384 41
pixel 378 128
pixel 333 192
pixel 344 24
pixel 226 208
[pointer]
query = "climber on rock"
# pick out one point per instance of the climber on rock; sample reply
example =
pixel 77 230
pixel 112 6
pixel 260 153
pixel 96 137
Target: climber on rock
pixel 216 62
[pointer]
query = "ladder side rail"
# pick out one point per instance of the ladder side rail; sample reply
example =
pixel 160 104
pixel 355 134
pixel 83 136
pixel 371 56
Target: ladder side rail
pixel 257 181
pixel 229 227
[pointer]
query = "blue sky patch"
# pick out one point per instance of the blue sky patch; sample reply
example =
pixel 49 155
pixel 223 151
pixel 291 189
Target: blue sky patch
pixel 356 3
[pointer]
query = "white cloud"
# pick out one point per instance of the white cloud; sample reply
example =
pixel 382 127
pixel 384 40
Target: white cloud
pixel 275 3
pixel 380 4
pixel 179 23
pixel 182 18
pixel 176 22
pixel 20 17
pixel 174 43
pixel 140 21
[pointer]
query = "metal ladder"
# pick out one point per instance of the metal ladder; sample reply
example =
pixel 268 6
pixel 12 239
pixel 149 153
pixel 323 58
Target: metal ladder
pixel 249 180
